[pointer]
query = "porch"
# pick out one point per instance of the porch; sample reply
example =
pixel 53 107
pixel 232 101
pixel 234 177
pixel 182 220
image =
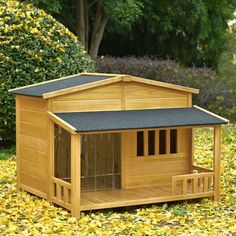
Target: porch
pixel 149 165
pixel 182 187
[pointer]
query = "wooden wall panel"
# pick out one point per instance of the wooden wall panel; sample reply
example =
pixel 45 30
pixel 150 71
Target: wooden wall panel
pixel 32 142
pixel 135 90
pixel 141 96
pixel 154 103
pixel 154 170
pixel 86 105
pixel 107 97
pixel 112 91
pixel 121 96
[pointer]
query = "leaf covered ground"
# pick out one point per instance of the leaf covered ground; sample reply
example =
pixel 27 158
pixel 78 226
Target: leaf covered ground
pixel 25 214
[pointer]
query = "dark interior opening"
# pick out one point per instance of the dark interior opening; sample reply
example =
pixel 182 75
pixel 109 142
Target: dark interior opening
pixel 140 143
pixel 173 141
pixel 151 142
pixel 62 154
pixel 100 162
pixel 162 142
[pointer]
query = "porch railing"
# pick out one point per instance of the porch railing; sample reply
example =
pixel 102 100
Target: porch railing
pixel 61 193
pixel 200 182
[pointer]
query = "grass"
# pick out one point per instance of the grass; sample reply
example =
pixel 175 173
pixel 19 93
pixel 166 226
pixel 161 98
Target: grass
pixel 24 214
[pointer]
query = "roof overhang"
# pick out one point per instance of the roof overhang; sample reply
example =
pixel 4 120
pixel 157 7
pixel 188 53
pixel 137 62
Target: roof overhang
pixel 100 121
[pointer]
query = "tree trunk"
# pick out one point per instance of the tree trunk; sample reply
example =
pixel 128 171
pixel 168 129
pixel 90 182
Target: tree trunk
pixel 80 21
pixel 98 29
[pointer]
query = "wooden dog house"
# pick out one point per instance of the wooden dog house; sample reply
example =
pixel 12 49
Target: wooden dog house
pixel 93 141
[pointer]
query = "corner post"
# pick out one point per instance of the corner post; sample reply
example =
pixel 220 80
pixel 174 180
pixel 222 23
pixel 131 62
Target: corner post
pixel 75 175
pixel 217 157
pixel 17 143
pixel 51 159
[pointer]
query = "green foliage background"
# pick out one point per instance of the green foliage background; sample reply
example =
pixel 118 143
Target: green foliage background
pixel 34 47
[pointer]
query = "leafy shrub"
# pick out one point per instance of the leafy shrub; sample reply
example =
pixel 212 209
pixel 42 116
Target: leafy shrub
pixel 214 91
pixel 227 70
pixel 34 47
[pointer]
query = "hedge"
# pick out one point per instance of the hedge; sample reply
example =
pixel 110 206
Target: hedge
pixel 215 93
pixel 34 47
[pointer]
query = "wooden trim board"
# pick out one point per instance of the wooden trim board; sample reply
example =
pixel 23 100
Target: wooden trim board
pixel 165 85
pixel 211 113
pixel 62 123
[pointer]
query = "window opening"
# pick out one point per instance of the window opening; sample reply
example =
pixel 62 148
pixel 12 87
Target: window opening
pixel 173 141
pixel 162 142
pixel 140 143
pixel 151 142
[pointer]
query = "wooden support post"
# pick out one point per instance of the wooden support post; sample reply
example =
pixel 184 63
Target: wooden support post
pixel 75 175
pixel 51 160
pixel 191 150
pixel 217 154
pixel 17 143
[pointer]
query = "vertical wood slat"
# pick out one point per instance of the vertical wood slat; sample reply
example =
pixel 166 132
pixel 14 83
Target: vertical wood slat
pixel 156 142
pixel 205 184
pixel 146 143
pixel 185 186
pixel 66 195
pixel 58 192
pixel 167 141
pixel 191 161
pixel 217 157
pixel 75 175
pixel 195 185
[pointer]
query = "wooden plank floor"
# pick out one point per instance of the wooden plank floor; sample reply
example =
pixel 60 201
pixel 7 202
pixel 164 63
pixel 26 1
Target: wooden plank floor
pixel 130 197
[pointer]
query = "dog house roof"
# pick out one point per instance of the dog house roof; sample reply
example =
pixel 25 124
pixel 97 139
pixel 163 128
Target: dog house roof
pixel 139 119
pixel 82 81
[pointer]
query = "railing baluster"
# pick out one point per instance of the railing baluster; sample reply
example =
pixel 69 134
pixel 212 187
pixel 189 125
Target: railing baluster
pixel 66 195
pixel 205 185
pixel 195 186
pixel 58 192
pixel 198 183
pixel 185 185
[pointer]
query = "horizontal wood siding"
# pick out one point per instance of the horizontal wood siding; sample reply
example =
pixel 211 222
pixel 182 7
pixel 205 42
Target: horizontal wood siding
pixel 32 138
pixel 141 96
pixel 154 170
pixel 107 97
pixel 121 96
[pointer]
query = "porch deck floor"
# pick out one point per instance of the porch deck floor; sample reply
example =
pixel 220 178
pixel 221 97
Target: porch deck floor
pixel 124 197
pixel 135 196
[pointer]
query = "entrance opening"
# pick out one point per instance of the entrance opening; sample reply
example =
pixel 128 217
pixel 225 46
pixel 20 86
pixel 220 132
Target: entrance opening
pixel 62 154
pixel 100 162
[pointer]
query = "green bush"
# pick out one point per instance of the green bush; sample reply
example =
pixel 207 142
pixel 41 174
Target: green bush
pixel 214 91
pixel 34 47
pixel 227 72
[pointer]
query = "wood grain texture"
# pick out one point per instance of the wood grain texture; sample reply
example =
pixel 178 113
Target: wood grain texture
pixel 155 103
pixel 32 139
pixel 217 161
pixel 75 174
pixel 87 105
pixel 112 91
pixel 158 168
pixel 134 196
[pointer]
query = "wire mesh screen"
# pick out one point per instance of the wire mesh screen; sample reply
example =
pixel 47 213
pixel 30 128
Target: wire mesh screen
pixel 100 162
pixel 62 154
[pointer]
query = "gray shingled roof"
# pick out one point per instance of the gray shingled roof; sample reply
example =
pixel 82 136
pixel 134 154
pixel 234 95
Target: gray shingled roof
pixel 138 119
pixel 40 89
